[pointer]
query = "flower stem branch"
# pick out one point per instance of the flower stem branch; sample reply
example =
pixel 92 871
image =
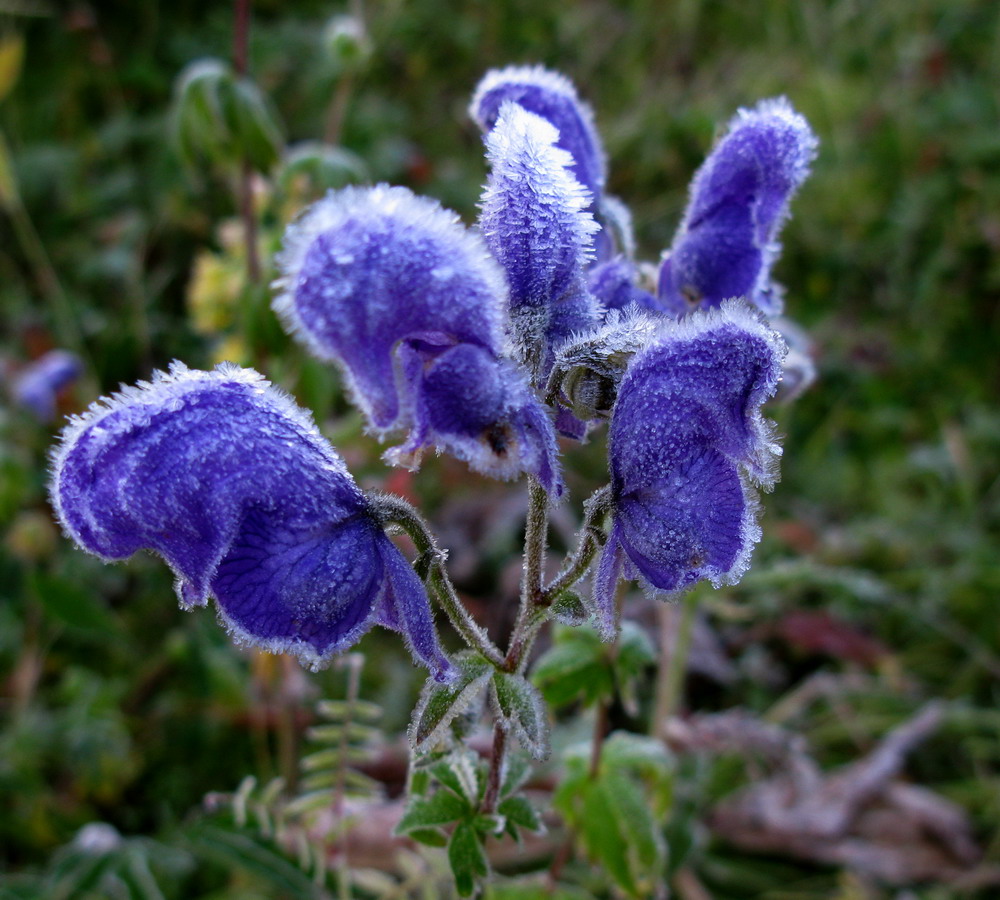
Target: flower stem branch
pixel 592 538
pixel 395 510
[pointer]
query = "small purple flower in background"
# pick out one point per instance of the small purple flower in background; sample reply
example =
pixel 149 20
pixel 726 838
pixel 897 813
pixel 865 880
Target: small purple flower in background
pixel 727 241
pixel 232 484
pixel 36 387
pixel 613 283
pixel 686 438
pixel 552 97
pixel 412 307
pixel 534 221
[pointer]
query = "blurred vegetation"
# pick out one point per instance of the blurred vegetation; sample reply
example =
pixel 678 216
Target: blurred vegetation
pixel 116 707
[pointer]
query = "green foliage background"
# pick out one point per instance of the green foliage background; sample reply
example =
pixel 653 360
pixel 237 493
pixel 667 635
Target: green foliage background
pixel 117 707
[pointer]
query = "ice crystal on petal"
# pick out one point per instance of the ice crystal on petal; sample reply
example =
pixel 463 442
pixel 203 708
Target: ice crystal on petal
pixel 534 220
pixel 232 484
pixel 727 242
pixel 552 97
pixel 396 291
pixel 687 443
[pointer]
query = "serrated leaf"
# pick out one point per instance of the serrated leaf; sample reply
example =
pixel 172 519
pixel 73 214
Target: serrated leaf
pixel 467 859
pixel 440 703
pixel 522 709
pixel 570 609
pixel 519 811
pixel 441 808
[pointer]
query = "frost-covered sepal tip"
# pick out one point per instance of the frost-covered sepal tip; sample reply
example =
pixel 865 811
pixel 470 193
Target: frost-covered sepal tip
pixel 232 484
pixel 687 444
pixel 727 242
pixel 412 307
pixel 535 222
pixel 552 97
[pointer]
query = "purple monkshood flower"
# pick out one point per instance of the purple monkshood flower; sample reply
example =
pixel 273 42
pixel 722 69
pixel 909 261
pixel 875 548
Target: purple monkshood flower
pixel 232 484
pixel 37 385
pixel 686 443
pixel 727 241
pixel 534 221
pixel 412 307
pixel 552 97
pixel 613 283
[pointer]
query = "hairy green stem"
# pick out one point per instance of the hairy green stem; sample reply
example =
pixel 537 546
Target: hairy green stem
pixel 591 540
pixel 395 510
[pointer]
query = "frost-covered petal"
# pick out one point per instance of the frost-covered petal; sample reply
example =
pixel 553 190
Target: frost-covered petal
pixel 686 438
pixel 552 97
pixel 402 607
pixel 727 242
pixel 412 306
pixel 535 222
pixel 366 268
pixel 480 409
pixel 233 485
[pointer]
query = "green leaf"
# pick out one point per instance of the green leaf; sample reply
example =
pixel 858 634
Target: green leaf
pixel 519 811
pixel 570 609
pixel 644 757
pixel 516 772
pixel 202 127
pixel 522 709
pixel 254 122
pixel 440 703
pixel 574 667
pixel 603 837
pixel 430 837
pixel 467 859
pixel 635 656
pixel 645 847
pixel 459 773
pixel 636 652
pixel 441 808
